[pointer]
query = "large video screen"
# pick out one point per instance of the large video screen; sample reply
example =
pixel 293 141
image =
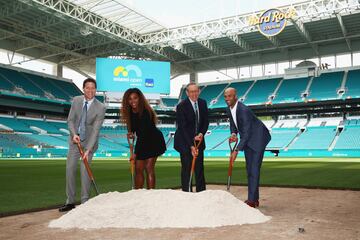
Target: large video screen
pixel 118 75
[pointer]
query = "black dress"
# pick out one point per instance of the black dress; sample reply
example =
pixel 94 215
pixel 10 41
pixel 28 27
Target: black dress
pixel 150 141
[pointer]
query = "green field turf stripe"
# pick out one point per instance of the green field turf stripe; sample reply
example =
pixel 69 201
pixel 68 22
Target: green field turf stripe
pixel 31 184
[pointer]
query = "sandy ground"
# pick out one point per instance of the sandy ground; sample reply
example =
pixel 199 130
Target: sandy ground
pixel 322 214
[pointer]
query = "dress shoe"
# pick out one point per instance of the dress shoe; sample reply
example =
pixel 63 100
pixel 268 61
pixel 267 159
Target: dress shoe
pixel 66 207
pixel 252 204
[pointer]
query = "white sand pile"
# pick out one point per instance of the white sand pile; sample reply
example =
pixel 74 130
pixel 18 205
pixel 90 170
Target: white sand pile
pixel 160 209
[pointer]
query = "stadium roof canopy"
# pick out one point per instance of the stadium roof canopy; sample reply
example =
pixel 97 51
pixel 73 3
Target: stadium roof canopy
pixel 73 33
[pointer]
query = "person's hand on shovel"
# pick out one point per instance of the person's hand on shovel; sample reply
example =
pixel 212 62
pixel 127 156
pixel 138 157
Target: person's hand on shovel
pixel 130 135
pixel 198 137
pixel 233 138
pixel 76 139
pixel 132 157
pixel 194 151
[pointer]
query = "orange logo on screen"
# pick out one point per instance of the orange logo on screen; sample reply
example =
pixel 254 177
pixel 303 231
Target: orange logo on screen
pixel 120 70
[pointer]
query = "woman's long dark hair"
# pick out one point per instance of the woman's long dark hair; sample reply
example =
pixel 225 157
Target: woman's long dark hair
pixel 143 104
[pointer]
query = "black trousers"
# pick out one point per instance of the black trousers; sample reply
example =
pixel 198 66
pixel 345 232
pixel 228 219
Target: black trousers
pixel 186 160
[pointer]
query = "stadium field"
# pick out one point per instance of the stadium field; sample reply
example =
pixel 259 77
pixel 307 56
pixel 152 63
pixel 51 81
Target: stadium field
pixel 27 185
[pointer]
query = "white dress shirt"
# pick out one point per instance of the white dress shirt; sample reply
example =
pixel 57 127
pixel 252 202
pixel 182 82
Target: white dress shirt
pixel 89 102
pixel 233 113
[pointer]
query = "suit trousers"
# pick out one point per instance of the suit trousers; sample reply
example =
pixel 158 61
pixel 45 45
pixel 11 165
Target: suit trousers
pixel 186 160
pixel 253 164
pixel 71 169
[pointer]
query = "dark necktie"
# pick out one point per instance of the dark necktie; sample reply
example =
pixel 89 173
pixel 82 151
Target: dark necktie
pixel 82 122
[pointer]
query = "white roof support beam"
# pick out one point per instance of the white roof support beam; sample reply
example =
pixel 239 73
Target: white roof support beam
pixel 50 46
pixel 33 26
pixel 304 33
pixel 274 40
pixel 241 42
pixel 211 46
pixel 13 8
pixel 161 51
pixel 343 30
pixel 95 21
pixel 97 52
pixel 186 51
pixel 306 11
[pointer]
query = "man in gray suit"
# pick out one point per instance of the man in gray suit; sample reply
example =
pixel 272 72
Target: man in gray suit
pixel 85 120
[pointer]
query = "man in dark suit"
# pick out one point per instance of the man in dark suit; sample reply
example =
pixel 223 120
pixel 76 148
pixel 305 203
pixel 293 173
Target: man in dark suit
pixel 254 136
pixel 192 124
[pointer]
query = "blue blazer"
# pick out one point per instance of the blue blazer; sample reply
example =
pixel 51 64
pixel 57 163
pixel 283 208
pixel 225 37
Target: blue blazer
pixel 185 122
pixel 253 132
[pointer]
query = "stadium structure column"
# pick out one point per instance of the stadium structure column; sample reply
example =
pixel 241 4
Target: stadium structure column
pixel 194 77
pixel 58 70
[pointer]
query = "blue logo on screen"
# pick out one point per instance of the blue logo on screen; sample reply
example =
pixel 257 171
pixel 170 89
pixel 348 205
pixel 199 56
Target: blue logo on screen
pixel 149 82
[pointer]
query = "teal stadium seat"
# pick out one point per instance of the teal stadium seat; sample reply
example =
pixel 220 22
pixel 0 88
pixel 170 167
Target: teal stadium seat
pixel 59 125
pixel 290 90
pixel 5 84
pixel 210 92
pixel 16 124
pixel 49 128
pixel 349 138
pixel 325 86
pixel 20 81
pixel 48 140
pixel 352 84
pixel 241 88
pixel 216 137
pixel 68 87
pixel 318 138
pixel 9 141
pixel 170 102
pixel 281 137
pixel 261 91
pixel 48 85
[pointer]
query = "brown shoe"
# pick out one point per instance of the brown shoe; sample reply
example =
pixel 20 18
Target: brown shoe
pixel 252 204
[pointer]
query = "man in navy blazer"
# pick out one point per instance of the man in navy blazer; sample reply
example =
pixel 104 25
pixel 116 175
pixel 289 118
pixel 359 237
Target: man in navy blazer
pixel 192 124
pixel 254 136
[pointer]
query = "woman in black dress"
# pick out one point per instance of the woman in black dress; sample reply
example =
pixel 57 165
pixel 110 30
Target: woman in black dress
pixel 141 120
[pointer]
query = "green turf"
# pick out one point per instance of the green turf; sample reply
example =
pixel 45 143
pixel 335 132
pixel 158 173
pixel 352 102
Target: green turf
pixel 31 184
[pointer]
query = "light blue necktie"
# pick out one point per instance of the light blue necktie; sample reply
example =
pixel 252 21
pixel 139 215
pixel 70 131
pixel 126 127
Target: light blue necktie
pixel 196 118
pixel 82 122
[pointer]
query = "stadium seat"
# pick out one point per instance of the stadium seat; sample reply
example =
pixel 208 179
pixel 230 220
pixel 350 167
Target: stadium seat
pixel 290 90
pixel 352 84
pixel 261 91
pixel 315 138
pixel 325 86
pixel 349 139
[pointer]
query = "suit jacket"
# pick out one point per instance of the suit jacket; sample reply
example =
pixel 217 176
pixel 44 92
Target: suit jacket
pixel 94 120
pixel 253 132
pixel 185 122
